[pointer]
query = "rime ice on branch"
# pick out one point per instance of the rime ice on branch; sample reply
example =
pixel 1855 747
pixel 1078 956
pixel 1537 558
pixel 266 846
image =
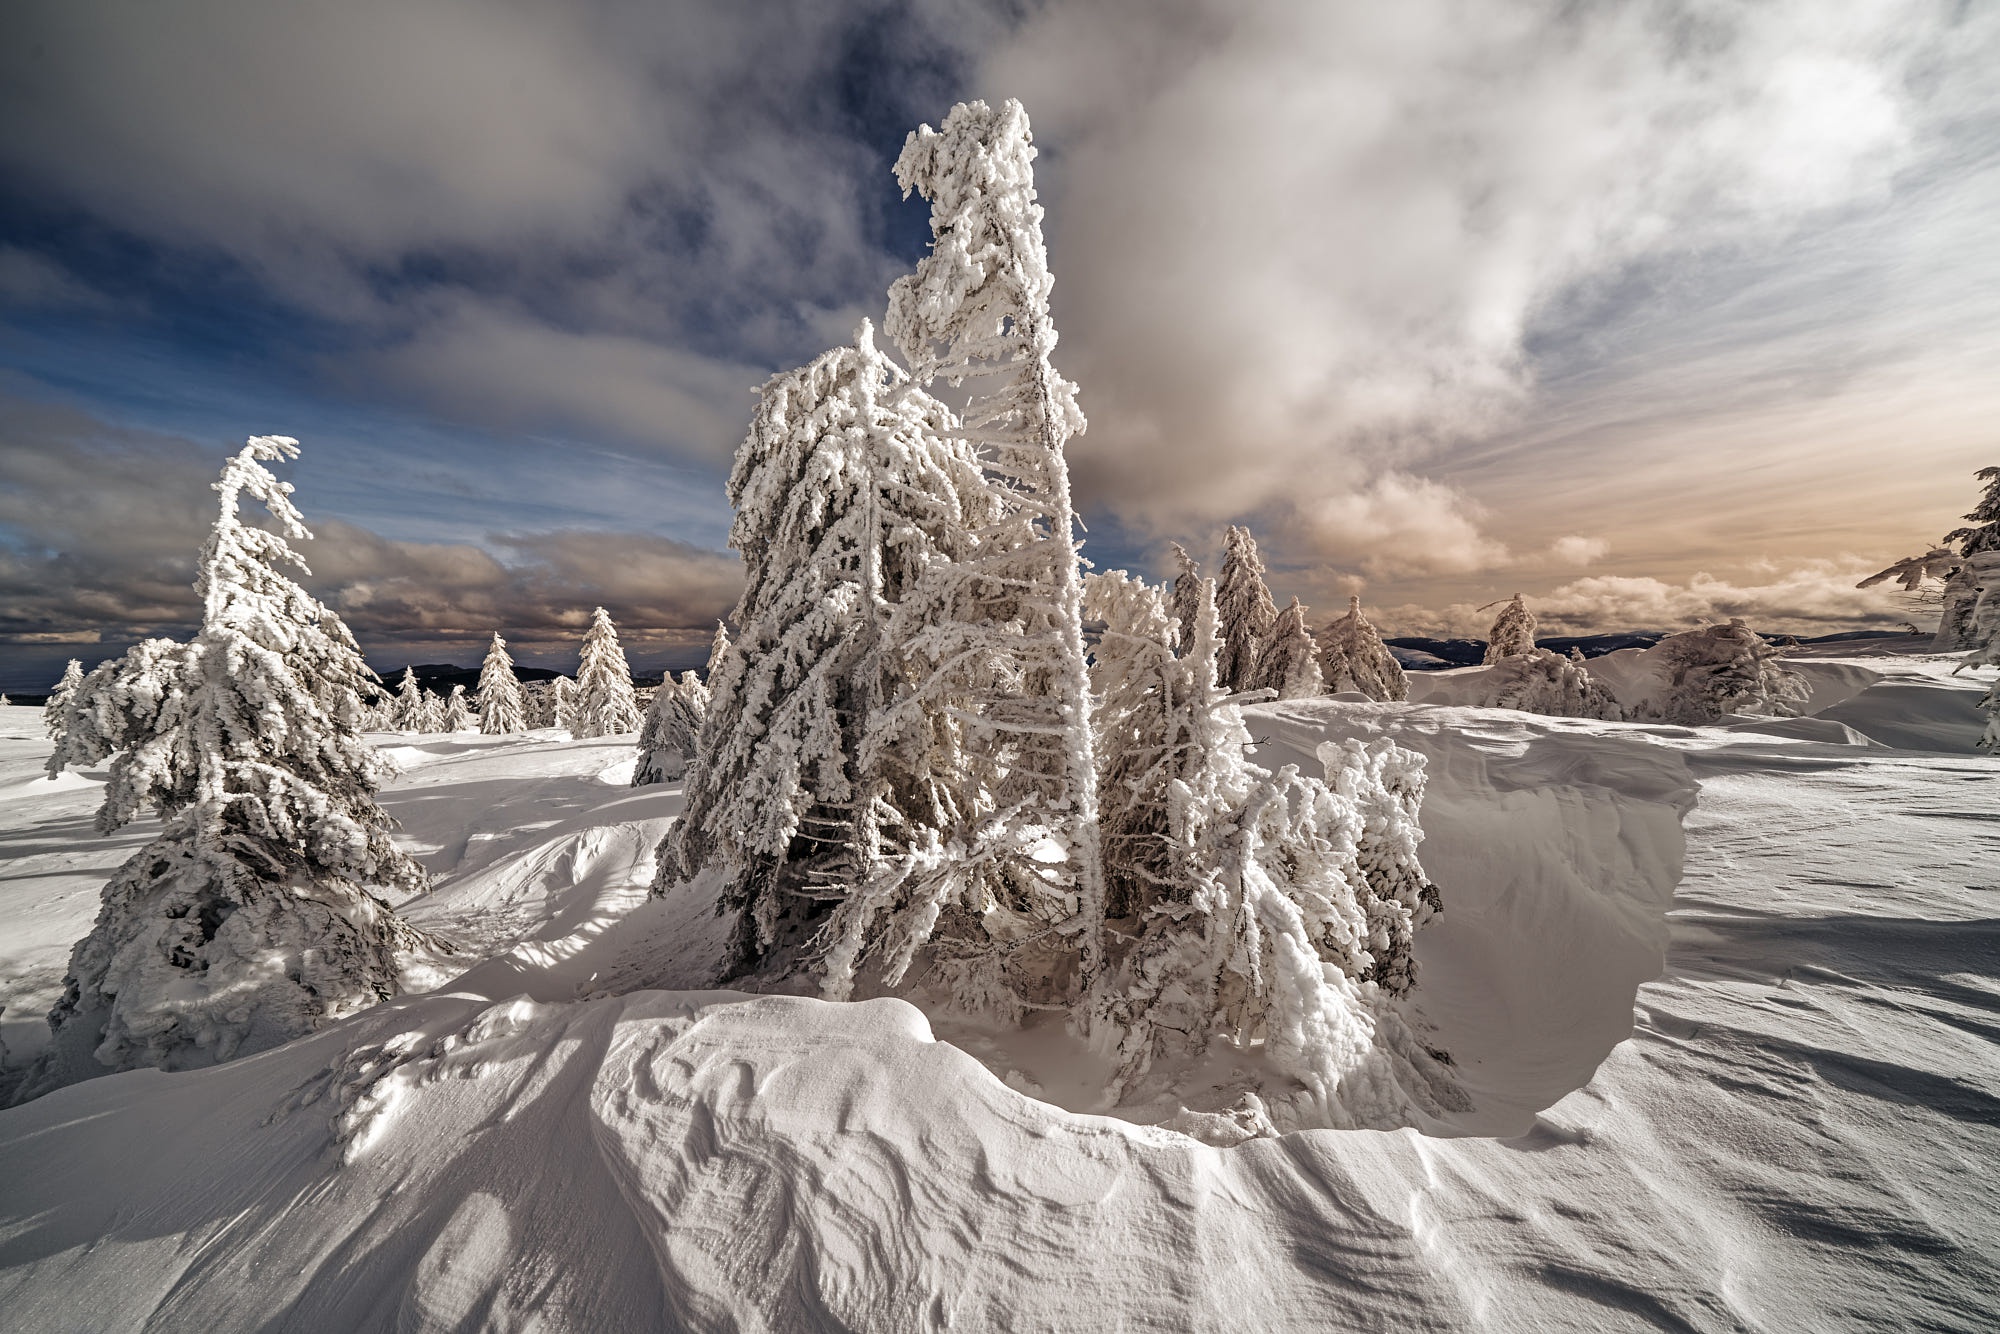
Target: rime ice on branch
pixel 252 918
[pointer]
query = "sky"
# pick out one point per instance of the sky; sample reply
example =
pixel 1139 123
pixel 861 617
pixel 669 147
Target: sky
pixel 1656 312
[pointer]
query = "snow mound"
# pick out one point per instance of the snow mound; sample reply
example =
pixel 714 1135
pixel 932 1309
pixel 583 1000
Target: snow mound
pixel 1915 715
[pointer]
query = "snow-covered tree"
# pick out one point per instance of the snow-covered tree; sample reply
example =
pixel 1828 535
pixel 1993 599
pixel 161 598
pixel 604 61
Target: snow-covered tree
pixel 430 712
pixel 670 732
pixel 847 492
pixel 1247 613
pixel 1950 562
pixel 1289 660
pixel 1541 681
pixel 1722 669
pixel 605 705
pixel 1513 631
pixel 456 714
pixel 1352 656
pixel 253 917
pixel 59 698
pixel 409 711
pixel 1186 599
pixel 500 705
pixel 1277 907
pixel 995 639
pixel 559 705
pixel 119 705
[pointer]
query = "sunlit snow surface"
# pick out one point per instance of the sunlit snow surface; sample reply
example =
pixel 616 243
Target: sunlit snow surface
pixel 1800 1133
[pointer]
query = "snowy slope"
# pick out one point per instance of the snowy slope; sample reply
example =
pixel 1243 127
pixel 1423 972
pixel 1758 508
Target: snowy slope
pixel 1795 1136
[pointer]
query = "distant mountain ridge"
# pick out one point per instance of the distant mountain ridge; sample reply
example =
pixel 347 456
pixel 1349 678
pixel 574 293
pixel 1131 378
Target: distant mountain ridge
pixel 1418 654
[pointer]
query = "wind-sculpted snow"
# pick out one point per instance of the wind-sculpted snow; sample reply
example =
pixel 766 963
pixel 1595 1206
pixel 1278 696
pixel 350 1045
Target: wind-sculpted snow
pixel 1798 1132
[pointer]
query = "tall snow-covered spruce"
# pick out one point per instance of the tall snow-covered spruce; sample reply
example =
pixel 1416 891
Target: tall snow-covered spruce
pixel 1513 631
pixel 252 918
pixel 605 704
pixel 1245 610
pixel 1289 661
pixel 500 706
pixel 1352 656
pixel 996 637
pixel 849 489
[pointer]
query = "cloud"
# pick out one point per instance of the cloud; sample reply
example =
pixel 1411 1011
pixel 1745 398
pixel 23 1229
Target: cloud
pixel 1809 598
pixel 100 530
pixel 1396 525
pixel 1575 550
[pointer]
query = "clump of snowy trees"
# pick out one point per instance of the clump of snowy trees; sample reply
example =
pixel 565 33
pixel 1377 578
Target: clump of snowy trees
pixel 1953 566
pixel 910 772
pixel 1353 657
pixel 255 915
pixel 1721 669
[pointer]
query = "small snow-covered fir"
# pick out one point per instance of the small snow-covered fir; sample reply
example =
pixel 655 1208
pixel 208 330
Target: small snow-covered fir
pixel 605 704
pixel 501 709
pixel 58 701
pixel 1548 683
pixel 1513 631
pixel 1353 657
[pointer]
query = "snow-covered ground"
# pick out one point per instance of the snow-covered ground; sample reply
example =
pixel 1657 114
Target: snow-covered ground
pixel 1725 999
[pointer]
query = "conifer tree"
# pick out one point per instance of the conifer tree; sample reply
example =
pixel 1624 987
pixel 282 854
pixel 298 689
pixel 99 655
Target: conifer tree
pixel 997 637
pixel 1244 607
pixel 430 712
pixel 500 706
pixel 1187 598
pixel 410 696
pixel 559 705
pixel 1513 631
pixel 1722 669
pixel 670 732
pixel 252 918
pixel 847 492
pixel 1540 681
pixel 59 698
pixel 1352 656
pixel 605 705
pixel 1289 661
pixel 456 713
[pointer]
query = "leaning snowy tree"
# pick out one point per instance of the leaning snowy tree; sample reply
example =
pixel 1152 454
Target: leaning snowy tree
pixel 995 640
pixel 1288 662
pixel 1352 656
pixel 253 917
pixel 59 698
pixel 848 489
pixel 605 705
pixel 500 709
pixel 1513 632
pixel 1245 610
pixel 1951 563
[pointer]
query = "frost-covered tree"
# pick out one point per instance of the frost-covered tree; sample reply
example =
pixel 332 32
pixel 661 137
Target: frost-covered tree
pixel 500 706
pixel 1187 598
pixel 1247 613
pixel 1277 907
pixel 1722 669
pixel 559 705
pixel 1352 656
pixel 456 714
pixel 1950 562
pixel 1513 631
pixel 605 705
pixel 1289 661
pixel 670 732
pixel 1540 681
pixel 995 639
pixel 848 491
pixel 59 698
pixel 409 711
pixel 253 917
pixel 430 712
pixel 118 706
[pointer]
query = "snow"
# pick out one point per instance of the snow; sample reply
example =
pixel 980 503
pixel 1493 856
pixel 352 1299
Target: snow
pixel 1731 1066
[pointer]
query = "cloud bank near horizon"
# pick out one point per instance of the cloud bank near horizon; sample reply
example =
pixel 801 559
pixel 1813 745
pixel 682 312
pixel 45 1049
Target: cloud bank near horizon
pixel 1444 299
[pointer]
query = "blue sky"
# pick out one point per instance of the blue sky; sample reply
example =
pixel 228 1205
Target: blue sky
pixel 1656 312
